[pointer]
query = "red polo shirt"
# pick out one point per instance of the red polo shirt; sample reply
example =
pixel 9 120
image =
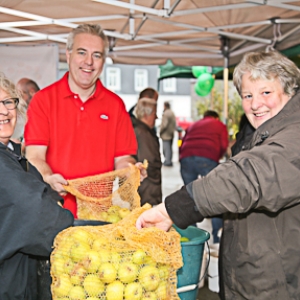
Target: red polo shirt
pixel 83 138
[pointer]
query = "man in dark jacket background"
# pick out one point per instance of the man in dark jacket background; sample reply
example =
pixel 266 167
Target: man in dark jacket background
pixel 148 148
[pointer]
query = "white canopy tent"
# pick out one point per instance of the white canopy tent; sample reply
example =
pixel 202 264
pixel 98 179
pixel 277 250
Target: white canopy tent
pixel 189 32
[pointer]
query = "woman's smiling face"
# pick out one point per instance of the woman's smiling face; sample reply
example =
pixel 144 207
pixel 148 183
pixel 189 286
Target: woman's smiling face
pixel 262 99
pixel 8 119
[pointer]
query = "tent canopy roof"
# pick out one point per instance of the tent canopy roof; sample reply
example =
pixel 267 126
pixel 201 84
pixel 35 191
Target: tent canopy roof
pixel 189 32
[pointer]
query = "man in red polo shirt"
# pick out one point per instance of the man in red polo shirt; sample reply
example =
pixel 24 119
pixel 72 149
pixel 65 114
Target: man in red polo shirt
pixel 76 127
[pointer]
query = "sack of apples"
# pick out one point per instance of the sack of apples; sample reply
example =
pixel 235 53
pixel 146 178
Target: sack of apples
pixel 116 262
pixel 99 197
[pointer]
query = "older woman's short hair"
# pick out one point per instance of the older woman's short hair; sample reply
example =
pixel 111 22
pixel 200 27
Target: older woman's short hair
pixel 268 66
pixel 93 29
pixel 145 107
pixel 9 87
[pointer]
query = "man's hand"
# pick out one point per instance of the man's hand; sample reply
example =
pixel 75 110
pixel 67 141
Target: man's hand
pixel 56 181
pixel 124 161
pixel 143 170
pixel 155 217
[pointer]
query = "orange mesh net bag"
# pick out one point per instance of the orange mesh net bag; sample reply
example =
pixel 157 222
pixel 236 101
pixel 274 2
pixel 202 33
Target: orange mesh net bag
pixel 98 197
pixel 116 262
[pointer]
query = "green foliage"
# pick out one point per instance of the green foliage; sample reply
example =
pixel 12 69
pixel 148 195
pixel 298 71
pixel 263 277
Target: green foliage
pixel 215 101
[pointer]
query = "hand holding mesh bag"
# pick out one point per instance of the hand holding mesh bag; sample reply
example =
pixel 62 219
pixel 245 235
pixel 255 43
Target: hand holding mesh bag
pixel 96 194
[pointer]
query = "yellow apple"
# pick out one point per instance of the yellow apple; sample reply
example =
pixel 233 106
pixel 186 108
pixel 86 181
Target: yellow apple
pixel 78 251
pixel 149 261
pixel 139 256
pixel 103 215
pixel 107 273
pixel 162 291
pixel 69 265
pixel 184 239
pixel 64 247
pixel 113 218
pixel 77 274
pixel 92 261
pixel 149 278
pixel 113 209
pixel 58 266
pixel 115 291
pixel 61 285
pixel 115 259
pixel 123 212
pixel 127 272
pixel 133 291
pixel 164 272
pixel 93 285
pixel 100 243
pixel 76 293
pixel 105 255
pixel 81 235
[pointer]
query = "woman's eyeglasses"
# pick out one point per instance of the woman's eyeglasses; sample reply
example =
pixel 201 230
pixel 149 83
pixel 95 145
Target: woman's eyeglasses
pixel 10 103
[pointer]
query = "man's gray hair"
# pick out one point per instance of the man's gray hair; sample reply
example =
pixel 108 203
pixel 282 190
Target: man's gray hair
pixel 145 107
pixel 268 66
pixel 93 29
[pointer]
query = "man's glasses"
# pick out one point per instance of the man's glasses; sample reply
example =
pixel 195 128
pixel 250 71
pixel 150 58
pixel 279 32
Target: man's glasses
pixel 10 103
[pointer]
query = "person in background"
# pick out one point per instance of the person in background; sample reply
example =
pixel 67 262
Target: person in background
pixel 28 87
pixel 243 136
pixel 257 190
pixel 203 145
pixel 76 127
pixel 30 211
pixel 167 129
pixel 148 148
pixel 146 93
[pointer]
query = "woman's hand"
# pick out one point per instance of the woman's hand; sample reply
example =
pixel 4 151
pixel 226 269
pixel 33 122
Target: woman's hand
pixel 56 181
pixel 155 217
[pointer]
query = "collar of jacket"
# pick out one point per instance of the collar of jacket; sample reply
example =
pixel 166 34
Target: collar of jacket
pixel 289 112
pixel 136 122
pixel 16 151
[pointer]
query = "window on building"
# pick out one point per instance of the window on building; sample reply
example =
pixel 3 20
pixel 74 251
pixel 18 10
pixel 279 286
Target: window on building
pixel 113 78
pixel 140 79
pixel 169 85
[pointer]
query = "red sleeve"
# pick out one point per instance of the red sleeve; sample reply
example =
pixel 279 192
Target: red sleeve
pixel 37 126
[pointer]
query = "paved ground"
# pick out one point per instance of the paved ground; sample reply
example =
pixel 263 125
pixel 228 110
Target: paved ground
pixel 171 182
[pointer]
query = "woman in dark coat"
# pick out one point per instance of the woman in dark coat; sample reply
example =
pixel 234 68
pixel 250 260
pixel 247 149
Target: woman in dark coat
pixel 30 211
pixel 257 190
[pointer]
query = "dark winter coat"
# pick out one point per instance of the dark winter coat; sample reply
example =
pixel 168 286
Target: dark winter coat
pixel 148 148
pixel 30 218
pixel 258 192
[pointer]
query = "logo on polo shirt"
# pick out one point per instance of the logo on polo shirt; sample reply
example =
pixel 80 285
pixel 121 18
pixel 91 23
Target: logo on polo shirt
pixel 104 117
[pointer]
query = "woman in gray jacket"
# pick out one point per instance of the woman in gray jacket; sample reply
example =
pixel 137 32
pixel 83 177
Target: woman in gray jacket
pixel 257 190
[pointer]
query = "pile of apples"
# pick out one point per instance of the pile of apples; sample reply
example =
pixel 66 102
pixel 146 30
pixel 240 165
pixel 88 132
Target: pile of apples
pixel 85 266
pixel 113 215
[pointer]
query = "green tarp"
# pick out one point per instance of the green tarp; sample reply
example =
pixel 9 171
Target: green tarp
pixel 169 70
